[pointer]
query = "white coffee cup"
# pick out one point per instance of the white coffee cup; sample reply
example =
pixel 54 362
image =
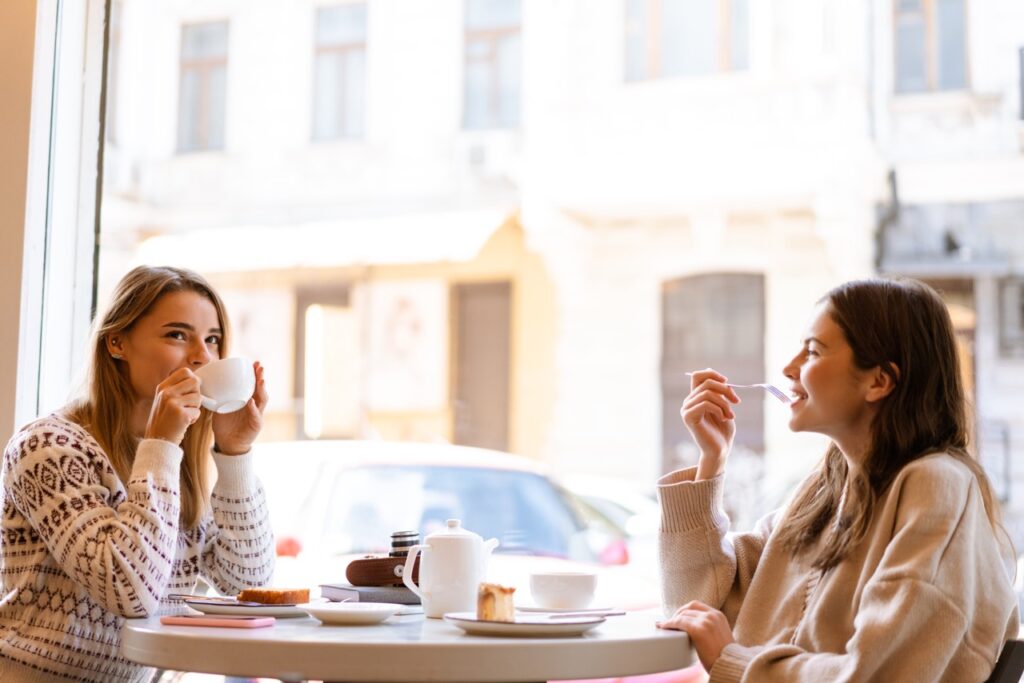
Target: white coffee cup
pixel 227 384
pixel 563 590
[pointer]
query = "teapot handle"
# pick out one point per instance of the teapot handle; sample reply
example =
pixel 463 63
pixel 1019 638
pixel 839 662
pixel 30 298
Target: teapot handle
pixel 410 562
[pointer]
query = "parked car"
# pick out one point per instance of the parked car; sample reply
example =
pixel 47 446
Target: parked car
pixel 627 507
pixel 335 501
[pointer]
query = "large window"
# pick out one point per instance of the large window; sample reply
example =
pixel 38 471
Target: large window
pixel 492 64
pixel 203 97
pixel 930 41
pixel 715 320
pixel 339 89
pixel 1011 318
pixel 685 37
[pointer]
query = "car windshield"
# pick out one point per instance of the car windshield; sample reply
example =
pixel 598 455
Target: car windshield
pixel 523 510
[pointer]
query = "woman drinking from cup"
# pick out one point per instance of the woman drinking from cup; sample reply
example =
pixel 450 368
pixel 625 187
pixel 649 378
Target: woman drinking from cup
pixel 889 564
pixel 107 503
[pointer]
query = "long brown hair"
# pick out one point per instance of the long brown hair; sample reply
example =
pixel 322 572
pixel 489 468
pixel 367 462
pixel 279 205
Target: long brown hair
pixel 108 397
pixel 903 328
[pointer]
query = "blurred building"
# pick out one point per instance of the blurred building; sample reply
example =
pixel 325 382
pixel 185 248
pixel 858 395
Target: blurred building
pixel 950 123
pixel 518 223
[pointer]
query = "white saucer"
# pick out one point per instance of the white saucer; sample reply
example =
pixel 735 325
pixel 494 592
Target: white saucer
pixel 223 606
pixel 560 610
pixel 523 627
pixel 350 613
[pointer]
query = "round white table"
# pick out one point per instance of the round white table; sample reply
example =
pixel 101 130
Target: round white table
pixel 406 648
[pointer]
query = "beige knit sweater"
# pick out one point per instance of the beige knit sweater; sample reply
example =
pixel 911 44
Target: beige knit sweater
pixel 925 597
pixel 81 551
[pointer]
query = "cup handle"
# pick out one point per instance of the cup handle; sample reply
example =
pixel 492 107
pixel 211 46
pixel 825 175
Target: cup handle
pixel 410 562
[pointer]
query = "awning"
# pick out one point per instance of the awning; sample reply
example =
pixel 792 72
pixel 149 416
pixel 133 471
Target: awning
pixel 401 239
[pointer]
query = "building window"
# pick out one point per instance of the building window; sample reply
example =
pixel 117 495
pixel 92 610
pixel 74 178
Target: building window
pixel 339 79
pixel 202 102
pixel 1011 318
pixel 492 64
pixel 715 320
pixel 685 37
pixel 931 45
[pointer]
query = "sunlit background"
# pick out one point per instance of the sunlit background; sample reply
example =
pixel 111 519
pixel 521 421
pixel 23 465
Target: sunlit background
pixel 516 224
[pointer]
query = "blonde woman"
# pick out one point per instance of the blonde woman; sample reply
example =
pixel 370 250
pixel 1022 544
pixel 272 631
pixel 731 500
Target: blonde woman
pixel 890 563
pixel 107 504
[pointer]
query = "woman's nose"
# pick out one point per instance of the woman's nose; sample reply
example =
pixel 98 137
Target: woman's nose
pixel 199 354
pixel 792 369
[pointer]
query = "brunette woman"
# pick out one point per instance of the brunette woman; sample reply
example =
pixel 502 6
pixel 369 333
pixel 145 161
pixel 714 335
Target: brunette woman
pixel 889 564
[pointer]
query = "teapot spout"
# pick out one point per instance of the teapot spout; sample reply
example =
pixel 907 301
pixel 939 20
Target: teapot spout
pixel 490 544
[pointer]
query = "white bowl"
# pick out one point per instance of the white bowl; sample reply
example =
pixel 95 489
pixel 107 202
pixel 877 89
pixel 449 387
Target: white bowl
pixel 563 590
pixel 350 613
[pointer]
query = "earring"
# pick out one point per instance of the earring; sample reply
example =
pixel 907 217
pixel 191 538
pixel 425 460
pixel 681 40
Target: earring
pixel 117 356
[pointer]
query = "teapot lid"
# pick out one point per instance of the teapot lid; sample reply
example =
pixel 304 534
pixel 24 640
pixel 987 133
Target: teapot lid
pixel 453 530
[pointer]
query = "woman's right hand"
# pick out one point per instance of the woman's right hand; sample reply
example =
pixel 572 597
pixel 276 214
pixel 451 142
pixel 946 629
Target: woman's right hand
pixel 175 407
pixel 707 414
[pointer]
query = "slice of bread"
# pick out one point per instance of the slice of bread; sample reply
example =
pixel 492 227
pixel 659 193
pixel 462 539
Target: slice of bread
pixel 275 596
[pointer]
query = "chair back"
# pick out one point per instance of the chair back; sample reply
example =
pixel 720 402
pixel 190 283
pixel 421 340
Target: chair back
pixel 1010 665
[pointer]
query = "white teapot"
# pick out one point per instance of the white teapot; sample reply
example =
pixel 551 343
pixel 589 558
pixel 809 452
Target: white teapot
pixel 453 565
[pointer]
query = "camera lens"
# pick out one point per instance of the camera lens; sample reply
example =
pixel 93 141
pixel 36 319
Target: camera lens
pixel 401 541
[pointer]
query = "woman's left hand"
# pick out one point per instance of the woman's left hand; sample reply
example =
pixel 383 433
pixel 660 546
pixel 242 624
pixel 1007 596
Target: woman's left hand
pixel 234 433
pixel 707 627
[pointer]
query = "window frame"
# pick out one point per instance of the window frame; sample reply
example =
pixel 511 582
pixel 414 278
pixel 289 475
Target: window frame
pixel 652 43
pixel 344 49
pixel 205 66
pixel 1011 323
pixel 51 267
pixel 932 50
pixel 492 37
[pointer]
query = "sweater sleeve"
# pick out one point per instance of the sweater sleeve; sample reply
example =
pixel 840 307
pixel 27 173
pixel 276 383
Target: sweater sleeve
pixel 939 591
pixel 119 550
pixel 700 559
pixel 238 544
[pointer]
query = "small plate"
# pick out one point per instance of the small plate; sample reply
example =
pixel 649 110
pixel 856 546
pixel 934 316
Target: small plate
pixel 523 627
pixel 227 606
pixel 335 613
pixel 560 610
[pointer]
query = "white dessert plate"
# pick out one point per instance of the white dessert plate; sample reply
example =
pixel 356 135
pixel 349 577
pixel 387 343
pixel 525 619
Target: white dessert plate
pixel 560 610
pixel 350 613
pixel 523 626
pixel 227 606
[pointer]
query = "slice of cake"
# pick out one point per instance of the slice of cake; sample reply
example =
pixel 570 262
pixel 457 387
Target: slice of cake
pixel 494 603
pixel 275 596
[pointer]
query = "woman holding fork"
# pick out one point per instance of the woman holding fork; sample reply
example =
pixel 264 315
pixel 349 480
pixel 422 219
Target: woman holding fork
pixel 889 562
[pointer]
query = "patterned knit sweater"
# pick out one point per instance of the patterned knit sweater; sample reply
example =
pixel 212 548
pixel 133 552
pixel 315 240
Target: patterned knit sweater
pixel 924 597
pixel 81 552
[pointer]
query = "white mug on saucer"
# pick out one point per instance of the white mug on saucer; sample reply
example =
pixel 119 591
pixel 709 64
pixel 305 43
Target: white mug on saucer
pixel 227 384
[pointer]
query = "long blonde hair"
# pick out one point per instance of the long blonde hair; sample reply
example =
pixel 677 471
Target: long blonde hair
pixel 108 397
pixel 903 327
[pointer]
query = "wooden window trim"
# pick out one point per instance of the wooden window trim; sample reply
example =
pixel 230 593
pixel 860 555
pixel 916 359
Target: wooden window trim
pixel 491 37
pixel 652 39
pixel 204 68
pixel 344 50
pixel 931 63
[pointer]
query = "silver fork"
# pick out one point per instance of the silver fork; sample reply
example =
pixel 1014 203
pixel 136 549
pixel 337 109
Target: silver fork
pixel 770 388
